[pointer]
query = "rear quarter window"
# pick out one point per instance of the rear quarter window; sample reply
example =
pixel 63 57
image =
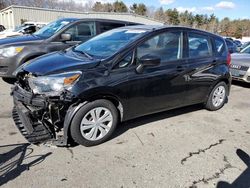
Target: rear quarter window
pixel 220 47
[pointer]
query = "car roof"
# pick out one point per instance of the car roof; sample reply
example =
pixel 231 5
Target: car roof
pixel 68 19
pixel 160 27
pixel 95 19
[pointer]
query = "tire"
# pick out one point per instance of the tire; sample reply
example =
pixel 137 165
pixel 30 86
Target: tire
pixel 87 120
pixel 221 98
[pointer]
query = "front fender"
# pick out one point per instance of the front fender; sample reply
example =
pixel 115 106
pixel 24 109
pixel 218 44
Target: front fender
pixel 73 109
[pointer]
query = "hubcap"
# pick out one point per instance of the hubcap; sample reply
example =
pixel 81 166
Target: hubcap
pixel 96 123
pixel 219 96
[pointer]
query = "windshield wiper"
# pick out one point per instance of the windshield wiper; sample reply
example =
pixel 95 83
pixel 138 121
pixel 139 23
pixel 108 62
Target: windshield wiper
pixel 84 53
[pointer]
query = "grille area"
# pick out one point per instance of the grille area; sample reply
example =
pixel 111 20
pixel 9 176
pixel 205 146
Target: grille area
pixel 40 133
pixel 244 68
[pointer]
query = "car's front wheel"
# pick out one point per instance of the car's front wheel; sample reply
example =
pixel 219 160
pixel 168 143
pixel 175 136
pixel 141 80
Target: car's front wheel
pixel 94 123
pixel 217 97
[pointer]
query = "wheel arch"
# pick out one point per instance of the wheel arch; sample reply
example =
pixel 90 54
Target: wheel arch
pixel 222 79
pixel 116 102
pixel 74 108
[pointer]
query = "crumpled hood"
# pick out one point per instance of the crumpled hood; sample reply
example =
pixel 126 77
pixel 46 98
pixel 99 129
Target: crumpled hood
pixel 242 59
pixel 19 39
pixel 58 62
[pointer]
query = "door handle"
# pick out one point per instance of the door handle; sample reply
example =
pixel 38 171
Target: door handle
pixel 214 62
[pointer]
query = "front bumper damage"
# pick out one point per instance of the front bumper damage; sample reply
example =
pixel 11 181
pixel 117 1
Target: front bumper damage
pixel 41 119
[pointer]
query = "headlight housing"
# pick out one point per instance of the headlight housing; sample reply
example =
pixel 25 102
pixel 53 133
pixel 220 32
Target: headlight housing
pixel 53 85
pixel 10 51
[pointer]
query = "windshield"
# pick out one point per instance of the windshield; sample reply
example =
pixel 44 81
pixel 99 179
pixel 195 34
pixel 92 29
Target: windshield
pixel 51 28
pixel 246 50
pixel 108 43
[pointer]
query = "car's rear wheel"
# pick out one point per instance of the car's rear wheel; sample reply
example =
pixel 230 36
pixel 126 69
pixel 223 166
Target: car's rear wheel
pixel 94 123
pixel 217 97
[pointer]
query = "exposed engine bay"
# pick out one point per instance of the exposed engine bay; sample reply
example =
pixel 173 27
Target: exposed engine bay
pixel 41 118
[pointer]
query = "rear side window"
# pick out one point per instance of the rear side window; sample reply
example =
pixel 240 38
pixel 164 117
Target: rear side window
pixel 105 26
pixel 199 46
pixel 220 46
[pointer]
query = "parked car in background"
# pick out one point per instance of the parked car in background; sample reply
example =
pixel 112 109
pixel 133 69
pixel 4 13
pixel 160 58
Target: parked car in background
pixel 244 45
pixel 2 28
pixel 240 67
pixel 238 43
pixel 85 91
pixel 38 25
pixel 246 50
pixel 232 47
pixel 58 35
pixel 21 30
pixel 229 38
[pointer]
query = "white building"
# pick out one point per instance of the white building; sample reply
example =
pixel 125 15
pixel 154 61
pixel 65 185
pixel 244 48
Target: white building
pixel 13 16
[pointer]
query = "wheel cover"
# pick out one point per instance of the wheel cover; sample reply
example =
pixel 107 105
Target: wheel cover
pixel 219 96
pixel 96 123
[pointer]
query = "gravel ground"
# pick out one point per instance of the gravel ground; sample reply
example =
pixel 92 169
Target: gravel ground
pixel 187 147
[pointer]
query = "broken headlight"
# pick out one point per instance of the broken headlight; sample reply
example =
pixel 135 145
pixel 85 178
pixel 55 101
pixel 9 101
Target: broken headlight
pixel 53 85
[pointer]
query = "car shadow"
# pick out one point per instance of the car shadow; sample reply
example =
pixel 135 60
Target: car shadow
pixel 241 84
pixel 125 126
pixel 13 161
pixel 243 181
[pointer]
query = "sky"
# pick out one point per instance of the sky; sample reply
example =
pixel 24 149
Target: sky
pixel 234 9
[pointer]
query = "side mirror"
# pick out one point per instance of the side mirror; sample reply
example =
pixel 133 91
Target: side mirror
pixel 148 61
pixel 65 37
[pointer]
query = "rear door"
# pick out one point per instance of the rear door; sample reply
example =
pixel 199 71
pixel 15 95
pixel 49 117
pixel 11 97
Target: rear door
pixel 201 62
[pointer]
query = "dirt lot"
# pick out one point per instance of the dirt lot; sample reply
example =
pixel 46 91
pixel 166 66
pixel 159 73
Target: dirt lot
pixel 188 147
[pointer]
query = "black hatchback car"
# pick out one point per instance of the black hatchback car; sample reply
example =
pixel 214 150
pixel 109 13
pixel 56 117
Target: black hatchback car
pixel 84 92
pixel 57 35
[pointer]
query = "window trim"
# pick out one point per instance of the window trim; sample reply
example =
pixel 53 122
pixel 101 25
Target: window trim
pixel 132 63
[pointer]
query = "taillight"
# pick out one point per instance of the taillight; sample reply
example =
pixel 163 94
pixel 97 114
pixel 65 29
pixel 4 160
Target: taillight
pixel 228 59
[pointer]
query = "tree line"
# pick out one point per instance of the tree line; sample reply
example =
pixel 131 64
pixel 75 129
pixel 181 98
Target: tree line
pixel 226 27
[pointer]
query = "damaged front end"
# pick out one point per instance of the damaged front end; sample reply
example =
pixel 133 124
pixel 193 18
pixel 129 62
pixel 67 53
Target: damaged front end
pixel 40 113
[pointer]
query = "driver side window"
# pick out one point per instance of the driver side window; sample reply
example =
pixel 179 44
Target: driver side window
pixel 167 46
pixel 82 31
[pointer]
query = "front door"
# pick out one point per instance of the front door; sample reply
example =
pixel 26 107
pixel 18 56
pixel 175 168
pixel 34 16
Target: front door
pixel 80 32
pixel 160 87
